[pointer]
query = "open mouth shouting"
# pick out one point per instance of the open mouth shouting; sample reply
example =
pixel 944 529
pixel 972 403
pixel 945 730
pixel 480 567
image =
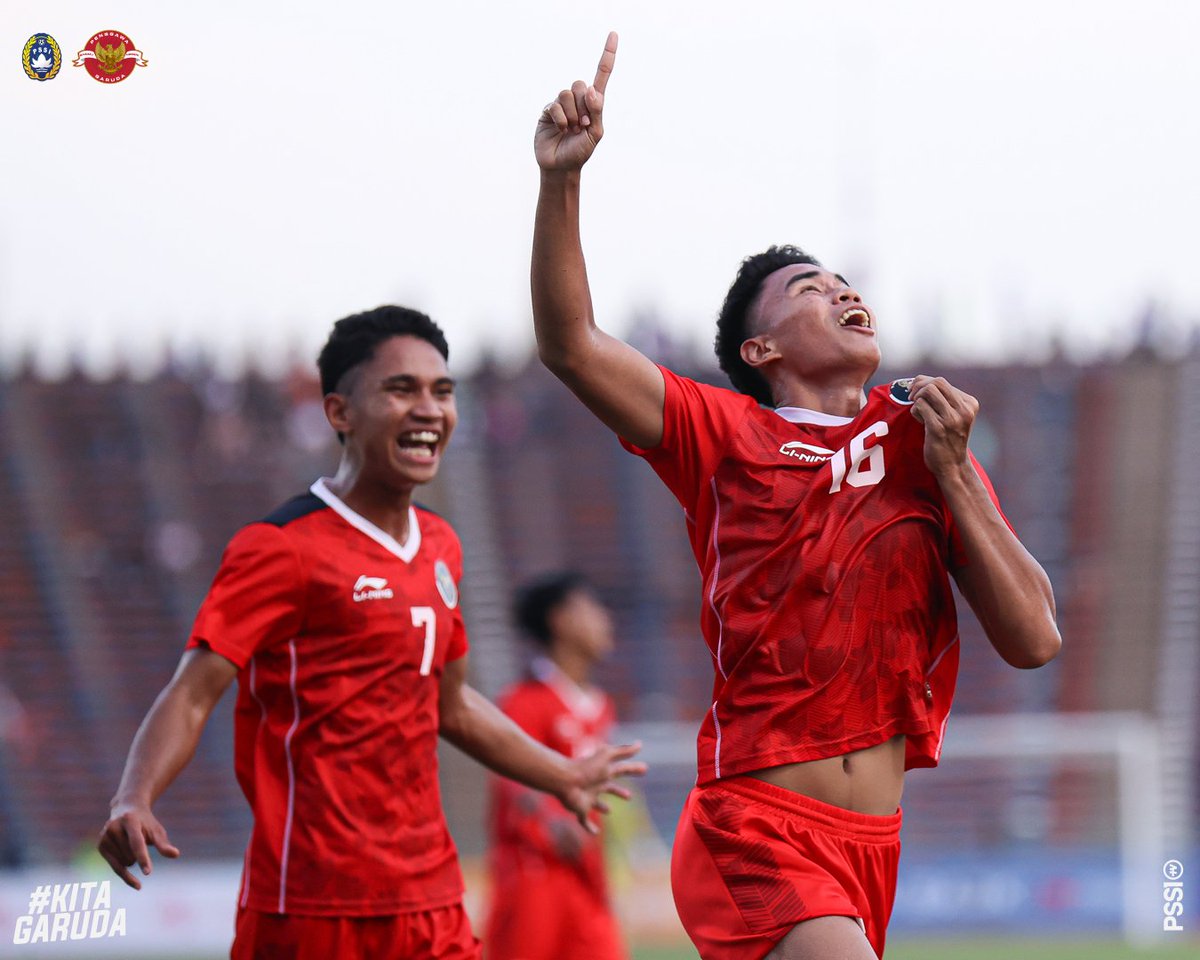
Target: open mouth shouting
pixel 420 444
pixel 856 317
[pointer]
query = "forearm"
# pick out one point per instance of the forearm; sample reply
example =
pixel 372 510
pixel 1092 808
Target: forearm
pixel 482 730
pixel 163 745
pixel 1007 588
pixel 562 301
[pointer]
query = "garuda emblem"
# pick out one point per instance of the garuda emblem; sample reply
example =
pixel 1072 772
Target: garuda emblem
pixel 110 56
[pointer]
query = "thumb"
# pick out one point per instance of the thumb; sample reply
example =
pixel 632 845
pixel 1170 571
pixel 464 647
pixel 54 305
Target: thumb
pixel 158 836
pixel 594 101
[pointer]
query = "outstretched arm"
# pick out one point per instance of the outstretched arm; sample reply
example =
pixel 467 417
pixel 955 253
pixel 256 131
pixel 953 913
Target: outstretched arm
pixel 482 730
pixel 1008 590
pixel 617 383
pixel 162 746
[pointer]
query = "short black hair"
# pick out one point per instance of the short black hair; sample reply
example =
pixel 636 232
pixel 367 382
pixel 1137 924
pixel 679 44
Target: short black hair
pixel 731 322
pixel 354 339
pixel 536 601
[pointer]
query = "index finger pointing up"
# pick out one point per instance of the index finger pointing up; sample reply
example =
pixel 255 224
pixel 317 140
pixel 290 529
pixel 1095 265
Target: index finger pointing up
pixel 607 59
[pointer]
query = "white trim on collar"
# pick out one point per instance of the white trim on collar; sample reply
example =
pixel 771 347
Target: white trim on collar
pixel 585 704
pixel 802 415
pixel 405 551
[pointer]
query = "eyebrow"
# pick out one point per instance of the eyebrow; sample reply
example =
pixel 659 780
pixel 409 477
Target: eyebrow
pixel 810 275
pixel 399 379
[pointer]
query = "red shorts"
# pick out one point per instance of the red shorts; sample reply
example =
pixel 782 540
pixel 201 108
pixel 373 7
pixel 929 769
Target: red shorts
pixel 547 911
pixel 444 933
pixel 751 860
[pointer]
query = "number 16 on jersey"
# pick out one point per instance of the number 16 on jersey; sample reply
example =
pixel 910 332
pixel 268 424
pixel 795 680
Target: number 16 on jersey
pixel 866 467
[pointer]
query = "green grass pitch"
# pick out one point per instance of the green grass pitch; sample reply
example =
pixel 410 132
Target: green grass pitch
pixel 1009 949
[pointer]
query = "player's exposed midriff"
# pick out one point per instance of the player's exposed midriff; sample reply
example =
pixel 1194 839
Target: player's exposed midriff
pixel 865 781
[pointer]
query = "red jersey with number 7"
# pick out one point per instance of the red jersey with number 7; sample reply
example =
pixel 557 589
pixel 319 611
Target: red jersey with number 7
pixel 824 545
pixel 341 634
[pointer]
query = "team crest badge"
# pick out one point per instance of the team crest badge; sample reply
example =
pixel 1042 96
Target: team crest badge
pixel 900 390
pixel 445 584
pixel 41 57
pixel 110 57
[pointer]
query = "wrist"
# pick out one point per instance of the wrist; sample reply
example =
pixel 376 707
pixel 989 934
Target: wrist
pixel 958 476
pixel 129 800
pixel 554 179
pixel 569 778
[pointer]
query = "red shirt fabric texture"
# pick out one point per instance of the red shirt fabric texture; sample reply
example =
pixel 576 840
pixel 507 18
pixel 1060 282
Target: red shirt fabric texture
pixel 341 634
pixel 824 545
pixel 573 721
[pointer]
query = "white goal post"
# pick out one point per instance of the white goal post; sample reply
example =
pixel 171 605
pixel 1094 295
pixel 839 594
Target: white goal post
pixel 1127 743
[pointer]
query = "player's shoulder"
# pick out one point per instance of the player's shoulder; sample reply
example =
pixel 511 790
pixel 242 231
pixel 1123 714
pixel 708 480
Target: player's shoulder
pixel 710 392
pixel 524 697
pixel 433 524
pixel 276 528
pixel 294 509
pixel 273 538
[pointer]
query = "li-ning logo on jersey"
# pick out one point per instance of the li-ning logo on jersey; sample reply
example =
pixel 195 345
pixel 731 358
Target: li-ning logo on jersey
pixel 806 452
pixel 372 588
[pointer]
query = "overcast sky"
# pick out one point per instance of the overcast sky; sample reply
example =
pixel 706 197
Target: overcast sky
pixel 990 175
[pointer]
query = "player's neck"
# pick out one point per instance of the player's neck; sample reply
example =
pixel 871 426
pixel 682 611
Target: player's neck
pixel 385 507
pixel 839 397
pixel 574 665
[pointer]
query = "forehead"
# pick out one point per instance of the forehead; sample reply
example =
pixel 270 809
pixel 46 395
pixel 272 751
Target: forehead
pixel 777 282
pixel 405 355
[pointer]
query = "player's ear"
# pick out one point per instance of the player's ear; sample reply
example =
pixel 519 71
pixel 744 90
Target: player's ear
pixel 337 412
pixel 758 350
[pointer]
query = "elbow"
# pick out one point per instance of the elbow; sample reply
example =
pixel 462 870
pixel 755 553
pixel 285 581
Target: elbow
pixel 562 357
pixel 554 356
pixel 1038 651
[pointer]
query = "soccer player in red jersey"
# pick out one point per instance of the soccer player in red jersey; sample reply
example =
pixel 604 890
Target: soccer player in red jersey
pixel 339 616
pixel 549 887
pixel 826 522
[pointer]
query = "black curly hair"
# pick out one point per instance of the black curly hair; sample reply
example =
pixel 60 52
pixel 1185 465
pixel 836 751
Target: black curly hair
pixel 731 322
pixel 354 339
pixel 538 600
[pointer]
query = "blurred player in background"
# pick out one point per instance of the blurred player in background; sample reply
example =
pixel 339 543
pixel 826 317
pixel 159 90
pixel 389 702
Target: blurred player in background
pixel 550 896
pixel 339 616
pixel 826 522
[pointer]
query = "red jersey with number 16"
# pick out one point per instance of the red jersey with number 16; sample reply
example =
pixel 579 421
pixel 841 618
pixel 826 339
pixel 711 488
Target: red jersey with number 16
pixel 824 545
pixel 341 634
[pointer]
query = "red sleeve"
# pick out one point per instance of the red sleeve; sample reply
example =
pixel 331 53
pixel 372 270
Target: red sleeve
pixel 257 598
pixel 958 555
pixel 698 423
pixel 458 628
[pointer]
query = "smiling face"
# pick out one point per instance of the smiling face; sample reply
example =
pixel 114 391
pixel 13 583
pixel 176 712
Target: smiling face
pixel 396 412
pixel 812 323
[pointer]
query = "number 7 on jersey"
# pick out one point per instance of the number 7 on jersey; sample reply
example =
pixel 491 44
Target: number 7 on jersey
pixel 426 617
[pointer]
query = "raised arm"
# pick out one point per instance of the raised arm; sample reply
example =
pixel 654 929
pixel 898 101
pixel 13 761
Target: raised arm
pixel 1005 586
pixel 617 383
pixel 162 746
pixel 482 730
